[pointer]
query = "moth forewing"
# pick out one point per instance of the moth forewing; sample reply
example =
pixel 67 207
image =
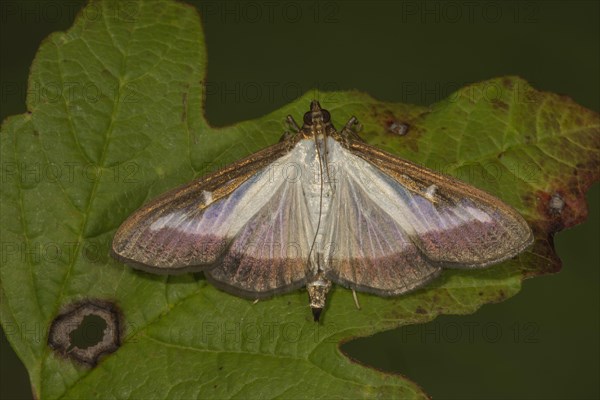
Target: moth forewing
pixel 496 232
pixel 160 237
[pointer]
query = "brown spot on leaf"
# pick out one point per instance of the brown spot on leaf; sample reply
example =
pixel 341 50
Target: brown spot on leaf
pixel 421 310
pixel 499 104
pixel 86 331
pixel 531 96
pixel 560 209
pixel 562 205
pixel 396 125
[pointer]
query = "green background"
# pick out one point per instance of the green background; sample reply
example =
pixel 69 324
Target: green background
pixel 542 343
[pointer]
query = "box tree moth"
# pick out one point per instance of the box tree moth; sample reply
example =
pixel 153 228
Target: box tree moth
pixel 318 207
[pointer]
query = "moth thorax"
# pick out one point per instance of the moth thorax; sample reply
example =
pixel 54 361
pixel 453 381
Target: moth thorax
pixel 317 294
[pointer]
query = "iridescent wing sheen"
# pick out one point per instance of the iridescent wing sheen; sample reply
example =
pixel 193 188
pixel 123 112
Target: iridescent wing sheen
pixel 393 225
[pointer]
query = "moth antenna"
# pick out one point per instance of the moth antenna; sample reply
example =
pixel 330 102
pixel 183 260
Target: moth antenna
pixel 348 129
pixel 292 124
pixel 327 169
pixel 312 246
pixel 351 122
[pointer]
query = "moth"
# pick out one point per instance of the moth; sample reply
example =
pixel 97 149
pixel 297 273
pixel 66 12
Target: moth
pixel 317 208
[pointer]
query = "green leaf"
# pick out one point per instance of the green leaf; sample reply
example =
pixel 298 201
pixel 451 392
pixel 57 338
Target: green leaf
pixel 115 118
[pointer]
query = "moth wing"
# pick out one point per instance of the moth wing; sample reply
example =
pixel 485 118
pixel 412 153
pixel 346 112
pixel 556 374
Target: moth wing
pixel 402 219
pixel 190 227
pixel 451 221
pixel 366 250
pixel 269 253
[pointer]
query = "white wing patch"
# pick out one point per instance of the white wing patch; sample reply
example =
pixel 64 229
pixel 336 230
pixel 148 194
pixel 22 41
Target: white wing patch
pixel 207 197
pixel 430 192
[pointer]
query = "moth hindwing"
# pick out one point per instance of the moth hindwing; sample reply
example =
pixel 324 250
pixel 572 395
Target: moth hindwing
pixel 318 207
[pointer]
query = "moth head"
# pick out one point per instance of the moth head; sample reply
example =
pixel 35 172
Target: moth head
pixel 316 115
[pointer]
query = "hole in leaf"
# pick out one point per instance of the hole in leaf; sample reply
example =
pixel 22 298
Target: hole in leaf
pixel 86 331
pixel 89 333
